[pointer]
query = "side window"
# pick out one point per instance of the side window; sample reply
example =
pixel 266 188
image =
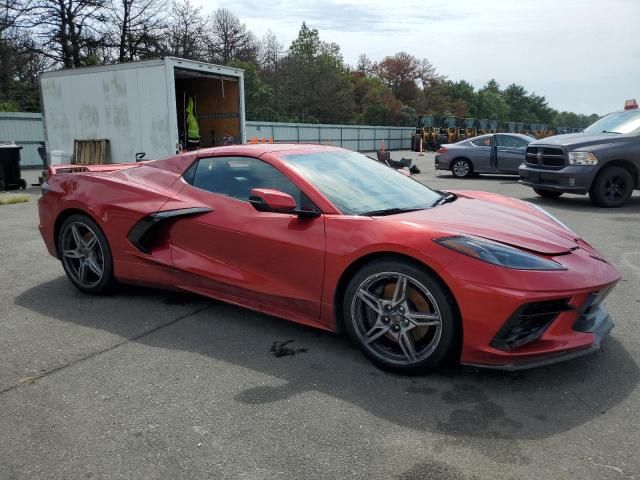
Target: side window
pixel 510 142
pixel 482 142
pixel 236 176
pixel 520 142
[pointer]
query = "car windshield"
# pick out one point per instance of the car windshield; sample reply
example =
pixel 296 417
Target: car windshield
pixel 358 185
pixel 618 122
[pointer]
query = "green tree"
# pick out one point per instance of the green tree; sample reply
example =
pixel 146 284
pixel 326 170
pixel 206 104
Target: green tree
pixel 316 82
pixel 462 94
pixel 491 105
pixel 259 104
pixel 519 104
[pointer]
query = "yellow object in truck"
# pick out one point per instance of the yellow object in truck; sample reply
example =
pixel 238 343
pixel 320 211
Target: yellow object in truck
pixel 193 130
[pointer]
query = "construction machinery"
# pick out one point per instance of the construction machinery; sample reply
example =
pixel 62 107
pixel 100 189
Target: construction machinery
pixel 434 131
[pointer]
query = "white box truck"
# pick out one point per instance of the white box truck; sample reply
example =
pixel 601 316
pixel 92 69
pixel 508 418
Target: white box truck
pixel 140 107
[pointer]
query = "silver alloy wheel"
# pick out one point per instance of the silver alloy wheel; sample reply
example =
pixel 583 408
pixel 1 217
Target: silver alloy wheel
pixel 82 254
pixel 461 168
pixel 396 318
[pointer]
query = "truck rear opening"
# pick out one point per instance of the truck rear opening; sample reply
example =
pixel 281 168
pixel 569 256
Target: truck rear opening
pixel 216 106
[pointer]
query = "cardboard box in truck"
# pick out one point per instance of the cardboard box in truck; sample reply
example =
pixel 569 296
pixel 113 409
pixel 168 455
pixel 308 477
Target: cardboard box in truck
pixel 140 107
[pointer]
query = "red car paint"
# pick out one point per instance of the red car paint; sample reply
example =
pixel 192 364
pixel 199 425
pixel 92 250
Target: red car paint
pixel 292 267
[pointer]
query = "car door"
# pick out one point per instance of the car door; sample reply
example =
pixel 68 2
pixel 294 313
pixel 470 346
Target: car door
pixel 242 255
pixel 480 153
pixel 510 152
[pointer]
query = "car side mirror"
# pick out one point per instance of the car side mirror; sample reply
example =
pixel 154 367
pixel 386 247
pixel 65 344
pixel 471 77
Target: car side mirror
pixel 267 200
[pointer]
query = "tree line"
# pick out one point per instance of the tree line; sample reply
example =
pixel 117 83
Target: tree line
pixel 308 81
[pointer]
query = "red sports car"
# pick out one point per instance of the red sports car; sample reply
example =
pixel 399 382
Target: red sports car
pixel 332 239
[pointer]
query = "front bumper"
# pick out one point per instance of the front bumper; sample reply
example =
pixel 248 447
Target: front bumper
pixel 601 325
pixel 571 179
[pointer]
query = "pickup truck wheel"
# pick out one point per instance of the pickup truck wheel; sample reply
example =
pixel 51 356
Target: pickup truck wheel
pixel 547 193
pixel 612 187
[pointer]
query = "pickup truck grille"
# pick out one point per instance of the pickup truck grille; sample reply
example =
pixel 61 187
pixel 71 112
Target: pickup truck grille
pixel 546 157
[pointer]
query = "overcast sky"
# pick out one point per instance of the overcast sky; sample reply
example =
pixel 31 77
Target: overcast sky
pixel 583 55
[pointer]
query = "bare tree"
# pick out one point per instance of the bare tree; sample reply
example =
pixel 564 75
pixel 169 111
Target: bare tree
pixel 137 27
pixel 364 65
pixel 427 74
pixel 230 39
pixel 187 31
pixel 270 53
pixel 64 30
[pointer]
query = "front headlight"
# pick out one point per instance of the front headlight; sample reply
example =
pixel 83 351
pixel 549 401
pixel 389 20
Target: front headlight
pixel 582 158
pixel 552 217
pixel 498 253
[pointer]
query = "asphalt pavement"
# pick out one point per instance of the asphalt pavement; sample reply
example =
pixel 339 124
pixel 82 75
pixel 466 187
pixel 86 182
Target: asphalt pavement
pixel 148 384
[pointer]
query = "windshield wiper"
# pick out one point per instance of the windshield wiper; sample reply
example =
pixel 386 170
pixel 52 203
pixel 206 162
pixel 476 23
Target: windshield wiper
pixel 447 197
pixel 389 211
pixel 609 131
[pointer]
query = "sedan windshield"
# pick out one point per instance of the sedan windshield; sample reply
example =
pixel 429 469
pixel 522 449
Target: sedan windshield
pixel 358 185
pixel 618 122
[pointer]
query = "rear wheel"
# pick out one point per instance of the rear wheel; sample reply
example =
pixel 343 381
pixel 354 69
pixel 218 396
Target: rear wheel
pixel 612 187
pixel 461 168
pixel 401 317
pixel 547 193
pixel 85 255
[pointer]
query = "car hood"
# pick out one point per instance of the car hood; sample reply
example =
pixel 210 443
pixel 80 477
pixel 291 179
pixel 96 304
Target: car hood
pixel 494 217
pixel 577 140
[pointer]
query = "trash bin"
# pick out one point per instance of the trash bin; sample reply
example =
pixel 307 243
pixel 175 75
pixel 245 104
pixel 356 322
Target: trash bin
pixel 10 177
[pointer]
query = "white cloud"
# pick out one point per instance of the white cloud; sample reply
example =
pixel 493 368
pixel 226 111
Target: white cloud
pixel 583 55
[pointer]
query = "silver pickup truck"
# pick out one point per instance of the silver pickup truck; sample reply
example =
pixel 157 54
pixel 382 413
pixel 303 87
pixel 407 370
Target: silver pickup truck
pixel 603 161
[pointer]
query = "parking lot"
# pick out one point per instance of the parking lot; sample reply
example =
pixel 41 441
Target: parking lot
pixel 151 384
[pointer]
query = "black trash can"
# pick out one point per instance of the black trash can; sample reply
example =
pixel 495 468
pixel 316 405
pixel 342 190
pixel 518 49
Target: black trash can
pixel 10 177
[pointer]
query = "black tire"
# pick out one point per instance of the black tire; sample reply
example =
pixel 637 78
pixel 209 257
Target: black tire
pixel 23 184
pixel 461 168
pixel 612 187
pixel 433 346
pixel 547 193
pixel 93 252
pixel 3 186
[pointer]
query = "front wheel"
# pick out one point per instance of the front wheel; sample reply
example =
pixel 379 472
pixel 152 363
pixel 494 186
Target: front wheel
pixel 85 255
pixel 401 317
pixel 547 193
pixel 461 168
pixel 612 187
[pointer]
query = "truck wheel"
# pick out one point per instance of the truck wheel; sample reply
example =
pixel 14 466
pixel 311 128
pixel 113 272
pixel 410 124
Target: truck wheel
pixel 612 187
pixel 23 184
pixel 547 193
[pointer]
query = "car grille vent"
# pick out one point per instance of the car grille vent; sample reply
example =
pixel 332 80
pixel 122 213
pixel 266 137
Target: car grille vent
pixel 528 323
pixel 545 157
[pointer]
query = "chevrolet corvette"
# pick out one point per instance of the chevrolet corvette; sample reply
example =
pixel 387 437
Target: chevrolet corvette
pixel 332 239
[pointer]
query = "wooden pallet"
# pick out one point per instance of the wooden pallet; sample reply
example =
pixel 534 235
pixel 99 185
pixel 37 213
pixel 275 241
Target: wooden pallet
pixel 90 152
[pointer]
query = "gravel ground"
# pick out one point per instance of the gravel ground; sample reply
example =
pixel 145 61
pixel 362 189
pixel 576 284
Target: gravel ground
pixel 147 384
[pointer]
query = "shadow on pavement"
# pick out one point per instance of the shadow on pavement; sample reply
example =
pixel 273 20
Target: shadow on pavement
pixel 463 406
